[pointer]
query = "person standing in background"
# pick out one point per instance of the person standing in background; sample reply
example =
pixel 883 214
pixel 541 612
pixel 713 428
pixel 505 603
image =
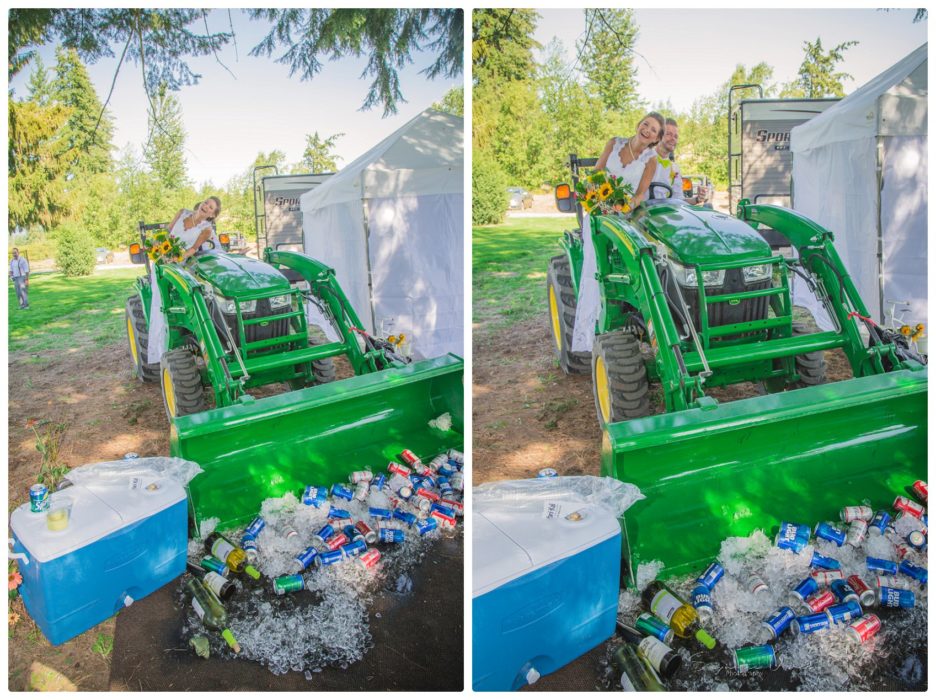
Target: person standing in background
pixel 19 273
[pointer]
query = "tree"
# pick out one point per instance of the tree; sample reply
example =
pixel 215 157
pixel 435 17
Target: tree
pixel 164 152
pixel 387 36
pixel 817 73
pixel 39 85
pixel 319 156
pixel 607 57
pixel 452 102
pixel 502 44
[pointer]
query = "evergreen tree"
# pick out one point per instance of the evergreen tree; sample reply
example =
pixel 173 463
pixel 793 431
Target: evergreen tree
pixel 502 45
pixel 39 85
pixel 452 102
pixel 319 155
pixel 818 76
pixel 607 57
pixel 164 152
pixel 86 136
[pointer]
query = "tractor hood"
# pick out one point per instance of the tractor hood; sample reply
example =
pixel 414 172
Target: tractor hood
pixel 695 235
pixel 237 275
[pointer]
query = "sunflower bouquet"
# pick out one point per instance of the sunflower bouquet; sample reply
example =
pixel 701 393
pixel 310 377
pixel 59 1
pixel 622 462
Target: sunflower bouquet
pixel 602 193
pixel 163 247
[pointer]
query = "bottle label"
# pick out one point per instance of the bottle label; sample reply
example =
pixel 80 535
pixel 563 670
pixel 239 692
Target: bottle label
pixel 221 549
pixel 664 605
pixel 199 610
pixel 653 650
pixel 215 581
pixel 626 684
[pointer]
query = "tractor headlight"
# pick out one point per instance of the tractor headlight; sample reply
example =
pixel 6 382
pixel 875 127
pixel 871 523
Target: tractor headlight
pixel 280 301
pixel 229 306
pixel 758 273
pixel 686 276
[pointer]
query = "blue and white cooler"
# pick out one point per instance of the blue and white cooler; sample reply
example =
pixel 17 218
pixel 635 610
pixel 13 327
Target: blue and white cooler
pixel 124 538
pixel 544 589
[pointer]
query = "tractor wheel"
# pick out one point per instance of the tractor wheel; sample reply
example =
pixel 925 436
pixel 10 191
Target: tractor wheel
pixel 561 299
pixel 182 389
pixel 138 341
pixel 619 378
pixel 324 370
pixel 811 367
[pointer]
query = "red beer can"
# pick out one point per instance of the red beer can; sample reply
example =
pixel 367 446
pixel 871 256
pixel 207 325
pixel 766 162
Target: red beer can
pixel 864 591
pixel 907 506
pixel 397 468
pixel 820 601
pixel 921 490
pixel 369 535
pixel 369 559
pixel 865 627
pixel 410 458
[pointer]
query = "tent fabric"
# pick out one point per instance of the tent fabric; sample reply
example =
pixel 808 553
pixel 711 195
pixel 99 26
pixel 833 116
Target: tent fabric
pixel 391 224
pixel 860 170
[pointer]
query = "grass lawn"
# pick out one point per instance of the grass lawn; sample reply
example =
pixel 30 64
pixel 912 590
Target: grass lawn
pixel 71 312
pixel 509 264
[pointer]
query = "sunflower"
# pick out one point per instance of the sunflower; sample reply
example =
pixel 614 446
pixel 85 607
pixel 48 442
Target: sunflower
pixel 905 330
pixel 165 247
pixel 605 191
pixel 920 328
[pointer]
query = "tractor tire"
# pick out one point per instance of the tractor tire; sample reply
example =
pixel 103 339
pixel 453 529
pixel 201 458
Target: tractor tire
pixel 138 341
pixel 619 378
pixel 811 366
pixel 561 301
pixel 324 370
pixel 182 390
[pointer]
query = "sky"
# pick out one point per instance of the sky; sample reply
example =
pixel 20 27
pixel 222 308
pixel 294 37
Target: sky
pixel 229 119
pixel 688 54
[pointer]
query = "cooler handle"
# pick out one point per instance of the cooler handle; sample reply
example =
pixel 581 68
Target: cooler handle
pixel 17 555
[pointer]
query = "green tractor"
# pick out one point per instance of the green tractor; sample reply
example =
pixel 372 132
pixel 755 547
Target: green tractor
pixel 692 299
pixel 255 402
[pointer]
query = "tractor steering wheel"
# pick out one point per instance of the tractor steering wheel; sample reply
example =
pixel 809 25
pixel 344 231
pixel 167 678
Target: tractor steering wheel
pixel 664 186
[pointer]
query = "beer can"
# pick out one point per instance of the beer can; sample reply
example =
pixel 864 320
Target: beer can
pixel 352 533
pixel 851 513
pixel 711 575
pixel 423 505
pixel 255 527
pixel 397 468
pixel 315 496
pixel 881 520
pixel 857 532
pixel 917 540
pixel 446 470
pixel 378 483
pixel 820 562
pixel 408 518
pixel 749 658
pixel 288 584
pixel 331 557
pixel 426 493
pixel 755 584
pixel 390 535
pixel 322 535
pixel 380 513
pixel 655 627
pixel 779 620
pixel 341 491
pixel 369 535
pixel 457 506
pixel 809 624
pixel 340 523
pixel 337 540
pixel 405 492
pixel 438 462
pixel 895 598
pixel 865 593
pixel 882 565
pixel 438 508
pixel 424 527
pixel 458 481
pixel 825 577
pixel 410 458
pixel 361 489
pixel 39 500
pixel 369 558
pixel 907 506
pixel 792 536
pixel 352 549
pixel 457 456
pixel 701 599
pixel 921 490
pixel 445 488
pixel 820 601
pixel 363 475
pixel 891 582
pixel 830 533
pixel 915 572
pixel 444 520
pixel 216 565
pixel 249 545
pixel 901 551
pixel 804 589
pixel 842 591
pixel 844 612
pixel 338 513
pixel 547 473
pixel 865 627
pixel 306 558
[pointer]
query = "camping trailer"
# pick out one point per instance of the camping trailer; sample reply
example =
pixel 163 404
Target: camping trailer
pixel 760 163
pixel 277 216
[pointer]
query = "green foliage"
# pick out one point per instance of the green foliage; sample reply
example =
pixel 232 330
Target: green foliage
pixel 452 102
pixel 39 85
pixel 74 251
pixel 319 155
pixel 817 75
pixel 103 645
pixel 387 36
pixel 607 57
pixel 49 437
pixel 164 152
pixel 488 191
pixel 502 44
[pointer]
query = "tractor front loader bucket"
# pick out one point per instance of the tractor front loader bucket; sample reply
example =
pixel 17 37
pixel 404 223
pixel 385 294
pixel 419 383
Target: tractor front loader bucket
pixel 729 469
pixel 268 447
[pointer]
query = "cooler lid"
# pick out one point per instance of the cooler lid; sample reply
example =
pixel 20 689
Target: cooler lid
pixel 509 543
pixel 137 497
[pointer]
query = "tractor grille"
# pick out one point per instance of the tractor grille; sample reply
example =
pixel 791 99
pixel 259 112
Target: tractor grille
pixel 723 313
pixel 255 332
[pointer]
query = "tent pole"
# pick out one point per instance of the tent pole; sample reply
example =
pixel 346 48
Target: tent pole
pixel 370 273
pixel 880 233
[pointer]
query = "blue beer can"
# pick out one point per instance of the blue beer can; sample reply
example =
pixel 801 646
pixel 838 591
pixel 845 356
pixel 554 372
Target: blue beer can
pixel 323 534
pixel 341 491
pixel 446 470
pixel 352 533
pixel 843 592
pixel 701 599
pixel 390 535
pixel 331 557
pixel 895 598
pixel 307 557
pixel 444 510
pixel 255 528
pixel 406 517
pixel 711 575
pixel 808 624
pixel 805 588
pixel 424 527
pixel 338 514
pixel 779 620
pixel 913 571
pixel 882 565
pixel 792 536
pixel 378 483
pixel 820 562
pixel 315 496
pixel 380 513
pixel 352 549
pixel 827 531
pixel 881 520
pixel 844 612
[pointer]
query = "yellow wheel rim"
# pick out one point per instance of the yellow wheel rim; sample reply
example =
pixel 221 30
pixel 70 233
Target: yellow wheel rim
pixel 168 392
pixel 133 348
pixel 603 389
pixel 554 316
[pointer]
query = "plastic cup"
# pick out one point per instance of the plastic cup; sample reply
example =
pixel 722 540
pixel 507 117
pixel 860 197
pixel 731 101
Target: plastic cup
pixel 59 514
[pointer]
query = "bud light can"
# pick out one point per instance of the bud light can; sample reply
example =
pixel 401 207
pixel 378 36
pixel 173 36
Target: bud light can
pixel 306 558
pixel 423 505
pixel 921 490
pixel 778 621
pixel 458 481
pixel 352 549
pixel 341 491
pixel 364 475
pixel 755 584
pixel 701 598
pixel 819 601
pixel 915 572
pixel 390 535
pixel 711 575
pixel 857 532
pixel 397 468
pixel 443 510
pixel 804 589
pixel 249 545
pixel 749 658
pixel 808 624
pixel 862 629
pixel 378 483
pixel 446 470
pixel 410 458
pixel 882 565
pixel 380 513
pixel 407 518
pixel 792 536
pixel 338 513
pixel 653 626
pixel 456 455
pixel 895 598
pixel 830 533
pixel 255 528
pixel 907 506
pixel 288 584
pixel 315 496
pixel 843 592
pixel 369 535
pixel 445 488
pixel 881 520
pixel 352 533
pixel 39 500
pixel 405 492
pixel 337 540
pixel 547 473
pixel 438 462
pixel 845 612
pixel 851 513
pixel 361 489
pixel 424 527
pixel 331 557
pixel 917 540
pixel 322 535
pixel 825 577
pixel 865 594
pixel 369 559
pixel 820 562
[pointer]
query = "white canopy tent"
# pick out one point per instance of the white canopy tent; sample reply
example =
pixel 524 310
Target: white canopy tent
pixel 860 170
pixel 391 224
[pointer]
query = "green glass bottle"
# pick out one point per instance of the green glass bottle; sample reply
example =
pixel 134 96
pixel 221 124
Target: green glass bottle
pixel 210 611
pixel 219 585
pixel 232 555
pixel 637 676
pixel 682 618
pixel 660 657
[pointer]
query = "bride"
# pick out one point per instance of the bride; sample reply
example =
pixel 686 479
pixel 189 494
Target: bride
pixel 634 161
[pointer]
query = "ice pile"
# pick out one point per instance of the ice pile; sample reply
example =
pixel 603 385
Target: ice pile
pixel 327 623
pixel 822 661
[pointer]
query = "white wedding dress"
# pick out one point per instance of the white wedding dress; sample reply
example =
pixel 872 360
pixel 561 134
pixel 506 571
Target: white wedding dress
pixel 589 300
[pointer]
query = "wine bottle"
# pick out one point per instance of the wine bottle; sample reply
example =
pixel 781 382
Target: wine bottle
pixel 664 660
pixel 232 555
pixel 210 611
pixel 677 613
pixel 636 675
pixel 219 585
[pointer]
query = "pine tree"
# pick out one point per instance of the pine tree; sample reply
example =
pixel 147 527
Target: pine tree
pixel 164 152
pixel 319 156
pixel 607 57
pixel 39 85
pixel 817 73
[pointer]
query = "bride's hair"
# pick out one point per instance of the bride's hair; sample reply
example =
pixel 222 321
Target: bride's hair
pixel 660 120
pixel 217 203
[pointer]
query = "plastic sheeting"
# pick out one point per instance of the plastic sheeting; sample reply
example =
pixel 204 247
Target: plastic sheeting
pixel 180 470
pixel 530 495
